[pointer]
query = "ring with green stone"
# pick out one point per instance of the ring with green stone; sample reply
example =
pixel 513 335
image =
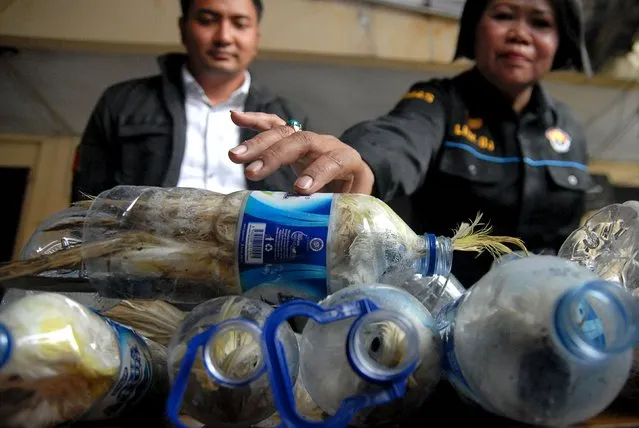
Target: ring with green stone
pixel 294 124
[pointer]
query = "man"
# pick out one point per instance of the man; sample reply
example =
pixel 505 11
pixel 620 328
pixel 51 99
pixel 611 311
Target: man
pixel 175 129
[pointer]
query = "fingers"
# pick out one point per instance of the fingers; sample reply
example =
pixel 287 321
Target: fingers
pixel 363 180
pixel 251 150
pixel 342 163
pixel 324 159
pixel 255 120
pixel 271 156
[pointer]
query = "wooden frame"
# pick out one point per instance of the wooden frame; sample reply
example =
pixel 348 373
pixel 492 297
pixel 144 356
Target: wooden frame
pixel 48 190
pixel 619 173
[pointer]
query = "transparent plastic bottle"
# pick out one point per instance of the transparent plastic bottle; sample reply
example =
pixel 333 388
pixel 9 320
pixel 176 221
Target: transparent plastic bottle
pixel 91 300
pixel 216 364
pixel 369 356
pixel 515 255
pixel 188 245
pixel 434 292
pixel 608 244
pixel 540 340
pixel 61 362
pixel 61 231
pixel 303 402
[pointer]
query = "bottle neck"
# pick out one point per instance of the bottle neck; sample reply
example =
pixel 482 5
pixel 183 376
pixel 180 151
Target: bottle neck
pixel 438 256
pixel 596 320
pixel 233 354
pixel 6 345
pixel 383 346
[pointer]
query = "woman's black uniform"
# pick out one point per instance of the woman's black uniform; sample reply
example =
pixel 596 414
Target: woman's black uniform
pixel 456 147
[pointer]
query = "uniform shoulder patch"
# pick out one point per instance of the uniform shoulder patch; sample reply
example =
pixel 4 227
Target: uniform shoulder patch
pixel 427 96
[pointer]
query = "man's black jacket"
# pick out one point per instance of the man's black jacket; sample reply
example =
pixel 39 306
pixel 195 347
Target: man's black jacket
pixel 137 133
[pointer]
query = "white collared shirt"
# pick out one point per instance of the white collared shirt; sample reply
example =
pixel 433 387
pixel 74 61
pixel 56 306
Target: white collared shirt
pixel 210 134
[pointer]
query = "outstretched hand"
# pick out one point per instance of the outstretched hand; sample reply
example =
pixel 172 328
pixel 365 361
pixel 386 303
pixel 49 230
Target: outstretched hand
pixel 322 162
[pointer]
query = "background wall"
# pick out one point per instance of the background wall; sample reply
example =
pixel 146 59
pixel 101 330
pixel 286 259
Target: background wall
pixel 52 93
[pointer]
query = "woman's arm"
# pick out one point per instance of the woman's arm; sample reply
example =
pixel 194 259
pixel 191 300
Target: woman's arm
pixel 392 152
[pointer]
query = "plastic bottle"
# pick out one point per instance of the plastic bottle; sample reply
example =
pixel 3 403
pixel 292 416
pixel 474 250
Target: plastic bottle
pixel 540 340
pixel 304 404
pixel 608 244
pixel 369 356
pixel 60 362
pixel 91 300
pixel 434 292
pixel 187 245
pixel 61 231
pixel 216 364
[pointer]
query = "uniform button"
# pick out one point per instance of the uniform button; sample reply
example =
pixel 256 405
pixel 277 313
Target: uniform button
pixel 472 169
pixel 572 180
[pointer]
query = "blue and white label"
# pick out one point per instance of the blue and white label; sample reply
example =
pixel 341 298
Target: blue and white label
pixel 450 364
pixel 282 246
pixel 134 381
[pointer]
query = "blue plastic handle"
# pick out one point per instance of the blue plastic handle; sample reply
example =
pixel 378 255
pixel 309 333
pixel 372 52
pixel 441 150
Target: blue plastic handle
pixel 176 395
pixel 277 367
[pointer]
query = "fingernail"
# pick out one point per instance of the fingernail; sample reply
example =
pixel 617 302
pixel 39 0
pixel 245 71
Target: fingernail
pixel 304 182
pixel 255 166
pixel 238 150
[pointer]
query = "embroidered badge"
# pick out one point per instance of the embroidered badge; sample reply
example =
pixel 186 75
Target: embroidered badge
pixel 559 140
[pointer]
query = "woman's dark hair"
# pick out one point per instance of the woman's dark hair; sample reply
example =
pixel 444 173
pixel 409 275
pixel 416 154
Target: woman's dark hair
pixel 186 5
pixel 571 52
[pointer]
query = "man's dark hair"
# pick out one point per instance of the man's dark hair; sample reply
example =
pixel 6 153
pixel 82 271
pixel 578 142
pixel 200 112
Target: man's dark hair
pixel 186 5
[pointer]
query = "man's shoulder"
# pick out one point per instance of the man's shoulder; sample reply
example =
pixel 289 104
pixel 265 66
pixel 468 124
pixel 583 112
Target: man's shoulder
pixel 275 103
pixel 121 92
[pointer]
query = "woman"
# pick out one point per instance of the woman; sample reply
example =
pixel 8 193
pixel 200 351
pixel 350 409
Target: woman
pixel 490 139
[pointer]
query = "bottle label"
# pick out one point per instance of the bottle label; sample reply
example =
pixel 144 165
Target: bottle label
pixel 282 246
pixel 450 364
pixel 134 380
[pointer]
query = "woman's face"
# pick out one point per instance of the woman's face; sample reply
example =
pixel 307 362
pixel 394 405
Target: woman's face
pixel 516 42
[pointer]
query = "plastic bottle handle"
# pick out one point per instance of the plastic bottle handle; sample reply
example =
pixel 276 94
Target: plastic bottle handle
pixel 277 367
pixel 176 395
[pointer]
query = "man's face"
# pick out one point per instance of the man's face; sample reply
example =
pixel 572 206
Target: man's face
pixel 220 36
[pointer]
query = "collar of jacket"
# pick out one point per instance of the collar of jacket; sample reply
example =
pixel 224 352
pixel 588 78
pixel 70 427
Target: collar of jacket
pixel 487 97
pixel 171 68
pixel 173 96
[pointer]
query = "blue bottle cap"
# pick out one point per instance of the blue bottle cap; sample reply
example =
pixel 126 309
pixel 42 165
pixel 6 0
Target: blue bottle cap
pixel 6 345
